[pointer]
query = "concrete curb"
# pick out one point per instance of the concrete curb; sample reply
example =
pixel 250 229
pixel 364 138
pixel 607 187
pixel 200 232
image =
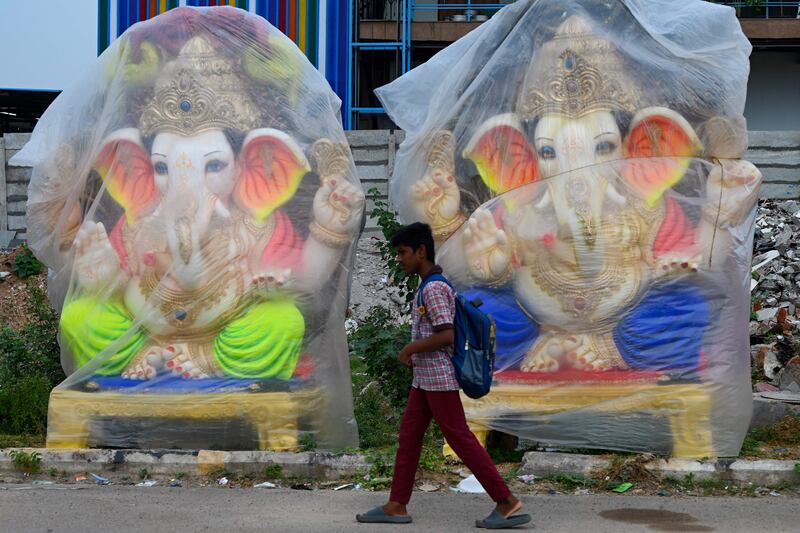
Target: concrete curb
pixel 310 465
pixel 331 466
pixel 758 472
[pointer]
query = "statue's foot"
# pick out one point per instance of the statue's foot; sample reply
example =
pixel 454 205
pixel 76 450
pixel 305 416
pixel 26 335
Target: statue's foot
pixel 548 352
pixel 182 364
pixel 147 367
pixel 673 264
pixel 596 354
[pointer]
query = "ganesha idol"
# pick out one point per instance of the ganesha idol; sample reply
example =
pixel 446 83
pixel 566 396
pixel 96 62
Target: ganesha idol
pixel 212 266
pixel 606 226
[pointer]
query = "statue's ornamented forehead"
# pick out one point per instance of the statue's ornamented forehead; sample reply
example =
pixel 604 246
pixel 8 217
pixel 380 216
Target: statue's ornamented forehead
pixel 198 91
pixel 575 73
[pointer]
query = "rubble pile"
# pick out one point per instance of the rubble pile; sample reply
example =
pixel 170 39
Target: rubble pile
pixel 370 284
pixel 775 291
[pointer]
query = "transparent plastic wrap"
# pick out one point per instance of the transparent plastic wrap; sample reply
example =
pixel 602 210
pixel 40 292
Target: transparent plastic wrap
pixel 196 202
pixel 579 163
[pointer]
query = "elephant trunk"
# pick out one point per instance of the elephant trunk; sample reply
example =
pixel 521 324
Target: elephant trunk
pixel 578 201
pixel 183 234
pixel 186 231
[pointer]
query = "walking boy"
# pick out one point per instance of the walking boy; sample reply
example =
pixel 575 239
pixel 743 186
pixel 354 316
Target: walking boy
pixel 434 393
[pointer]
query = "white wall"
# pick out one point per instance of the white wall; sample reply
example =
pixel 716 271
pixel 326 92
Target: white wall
pixel 45 44
pixel 773 93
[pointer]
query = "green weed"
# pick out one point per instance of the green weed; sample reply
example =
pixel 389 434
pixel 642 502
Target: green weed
pixel 28 463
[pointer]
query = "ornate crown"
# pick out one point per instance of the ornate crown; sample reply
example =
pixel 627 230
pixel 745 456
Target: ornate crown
pixel 198 91
pixel 575 73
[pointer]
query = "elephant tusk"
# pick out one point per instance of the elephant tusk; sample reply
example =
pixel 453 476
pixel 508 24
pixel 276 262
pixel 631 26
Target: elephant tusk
pixel 614 195
pixel 218 208
pixel 546 200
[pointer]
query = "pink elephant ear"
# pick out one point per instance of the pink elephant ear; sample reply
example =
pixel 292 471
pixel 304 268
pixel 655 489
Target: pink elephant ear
pixel 125 167
pixel 502 154
pixel 271 168
pixel 659 146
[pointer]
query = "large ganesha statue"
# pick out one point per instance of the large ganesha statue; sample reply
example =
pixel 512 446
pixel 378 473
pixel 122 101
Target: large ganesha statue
pixel 198 212
pixel 585 185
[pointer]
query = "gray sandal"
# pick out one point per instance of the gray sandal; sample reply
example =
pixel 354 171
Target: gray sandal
pixel 496 521
pixel 379 516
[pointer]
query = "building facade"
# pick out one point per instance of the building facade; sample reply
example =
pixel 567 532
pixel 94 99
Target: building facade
pixel 358 45
pixel 32 75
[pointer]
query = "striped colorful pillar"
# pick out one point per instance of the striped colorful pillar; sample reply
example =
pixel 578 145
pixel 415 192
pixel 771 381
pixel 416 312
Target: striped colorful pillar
pixel 318 27
pixel 114 19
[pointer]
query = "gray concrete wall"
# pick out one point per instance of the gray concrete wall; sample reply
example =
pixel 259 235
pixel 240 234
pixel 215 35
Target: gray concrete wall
pixel 776 153
pixel 13 190
pixel 773 91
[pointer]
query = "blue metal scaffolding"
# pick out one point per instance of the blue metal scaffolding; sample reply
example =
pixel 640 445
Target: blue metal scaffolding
pixel 403 46
pixel 405 19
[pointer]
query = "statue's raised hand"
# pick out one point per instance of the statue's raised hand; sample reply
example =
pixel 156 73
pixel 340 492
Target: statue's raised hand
pixel 338 206
pixel 437 196
pixel 96 263
pixel 731 192
pixel 486 247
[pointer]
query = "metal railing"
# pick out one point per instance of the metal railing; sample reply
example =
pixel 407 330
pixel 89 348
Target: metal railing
pixel 402 12
pixel 469 7
pixel 764 9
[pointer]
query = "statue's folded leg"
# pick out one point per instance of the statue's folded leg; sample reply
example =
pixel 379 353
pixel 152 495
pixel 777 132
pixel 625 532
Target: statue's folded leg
pixel 263 343
pixel 665 331
pixel 515 330
pixel 91 326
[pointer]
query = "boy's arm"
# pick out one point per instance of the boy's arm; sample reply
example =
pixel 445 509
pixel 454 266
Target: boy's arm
pixel 438 341
pixel 440 303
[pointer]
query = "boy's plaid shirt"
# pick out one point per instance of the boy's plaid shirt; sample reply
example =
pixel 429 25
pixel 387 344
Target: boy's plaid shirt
pixel 433 371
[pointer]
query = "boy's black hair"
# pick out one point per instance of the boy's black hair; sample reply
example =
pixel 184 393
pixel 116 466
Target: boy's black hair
pixel 415 235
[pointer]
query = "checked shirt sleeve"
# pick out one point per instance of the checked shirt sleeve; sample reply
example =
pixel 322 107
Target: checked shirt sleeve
pixel 440 305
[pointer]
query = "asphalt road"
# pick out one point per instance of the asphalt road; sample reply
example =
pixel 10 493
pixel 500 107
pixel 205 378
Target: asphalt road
pixel 108 509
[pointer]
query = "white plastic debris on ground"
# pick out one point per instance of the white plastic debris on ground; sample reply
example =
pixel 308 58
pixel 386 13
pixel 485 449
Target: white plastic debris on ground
pixel 469 485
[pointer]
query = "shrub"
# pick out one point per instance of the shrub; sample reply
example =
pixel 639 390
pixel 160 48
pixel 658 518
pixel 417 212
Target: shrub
pixel 377 341
pixel 30 366
pixel 33 350
pixel 23 405
pixel 25 264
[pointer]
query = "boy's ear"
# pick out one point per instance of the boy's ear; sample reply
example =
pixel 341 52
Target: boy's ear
pixel 422 252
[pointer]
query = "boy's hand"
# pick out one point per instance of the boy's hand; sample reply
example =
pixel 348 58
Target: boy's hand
pixel 405 356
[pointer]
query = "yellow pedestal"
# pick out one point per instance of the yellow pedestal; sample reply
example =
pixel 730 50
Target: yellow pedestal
pixel 273 414
pixel 687 406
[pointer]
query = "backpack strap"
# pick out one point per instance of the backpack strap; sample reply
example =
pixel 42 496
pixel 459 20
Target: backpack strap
pixel 429 279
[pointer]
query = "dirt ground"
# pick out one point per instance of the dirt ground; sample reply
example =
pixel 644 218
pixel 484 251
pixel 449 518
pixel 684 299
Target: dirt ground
pixel 14 292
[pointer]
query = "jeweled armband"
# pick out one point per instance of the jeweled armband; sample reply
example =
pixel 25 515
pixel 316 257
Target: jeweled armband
pixel 328 237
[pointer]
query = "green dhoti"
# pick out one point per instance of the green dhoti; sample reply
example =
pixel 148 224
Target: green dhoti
pixel 263 343
pixel 90 327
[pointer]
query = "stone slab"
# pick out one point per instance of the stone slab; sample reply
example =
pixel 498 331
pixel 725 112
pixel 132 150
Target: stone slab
pixel 312 465
pixel 767 412
pixel 780 191
pixel 554 463
pixel 773 139
pixel 15 141
pixel 6 237
pixel 364 138
pixel 757 472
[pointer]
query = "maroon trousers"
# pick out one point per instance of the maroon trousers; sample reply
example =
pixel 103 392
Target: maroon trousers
pixel 446 408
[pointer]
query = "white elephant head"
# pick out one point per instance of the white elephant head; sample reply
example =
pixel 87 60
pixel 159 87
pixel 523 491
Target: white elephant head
pixel 195 159
pixel 577 127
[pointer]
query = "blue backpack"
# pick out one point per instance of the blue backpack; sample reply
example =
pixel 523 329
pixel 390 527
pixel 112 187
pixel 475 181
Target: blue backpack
pixel 474 344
